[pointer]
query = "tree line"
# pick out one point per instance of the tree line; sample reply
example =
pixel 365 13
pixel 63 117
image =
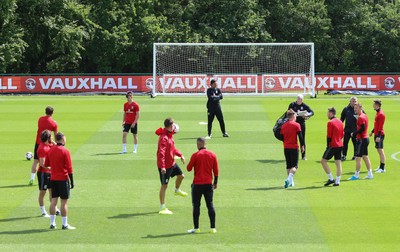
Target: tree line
pixel 117 36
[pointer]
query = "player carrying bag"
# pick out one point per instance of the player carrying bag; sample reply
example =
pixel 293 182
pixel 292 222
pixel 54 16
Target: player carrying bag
pixel 278 125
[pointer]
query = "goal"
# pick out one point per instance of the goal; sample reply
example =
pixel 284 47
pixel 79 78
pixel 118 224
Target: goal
pixel 238 68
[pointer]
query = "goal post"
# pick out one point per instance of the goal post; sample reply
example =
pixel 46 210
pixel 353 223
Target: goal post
pixel 239 68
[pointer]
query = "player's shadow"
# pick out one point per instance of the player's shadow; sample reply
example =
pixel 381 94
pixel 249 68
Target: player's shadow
pixel 14 186
pixel 125 216
pixel 149 236
pixel 187 138
pixel 270 161
pixel 307 188
pixel 107 154
pixel 22 232
pixel 18 218
pixel 265 188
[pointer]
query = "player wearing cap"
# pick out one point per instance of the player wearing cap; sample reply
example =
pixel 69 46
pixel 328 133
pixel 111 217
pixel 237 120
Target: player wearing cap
pixel 362 143
pixel 303 112
pixel 348 116
pixel 334 146
pixel 291 130
pixel 379 134
pixel 129 122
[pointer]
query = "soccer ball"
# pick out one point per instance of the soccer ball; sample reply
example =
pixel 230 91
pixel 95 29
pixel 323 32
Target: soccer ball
pixel 28 155
pixel 175 128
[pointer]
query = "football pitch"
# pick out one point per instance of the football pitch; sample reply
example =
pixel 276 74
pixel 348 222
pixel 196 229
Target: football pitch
pixel 114 205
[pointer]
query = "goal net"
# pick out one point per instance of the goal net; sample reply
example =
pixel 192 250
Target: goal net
pixel 238 68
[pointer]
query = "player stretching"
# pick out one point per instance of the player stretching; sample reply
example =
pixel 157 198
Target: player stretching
pixel 290 131
pixel 59 159
pixel 167 167
pixel 205 165
pixel 44 123
pixel 362 143
pixel 379 134
pixel 334 146
pixel 129 122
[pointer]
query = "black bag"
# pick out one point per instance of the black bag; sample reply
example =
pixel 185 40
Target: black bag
pixel 278 125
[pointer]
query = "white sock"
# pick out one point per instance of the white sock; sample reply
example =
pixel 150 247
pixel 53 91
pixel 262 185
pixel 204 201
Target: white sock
pixel 330 176
pixel 135 147
pixel 58 210
pixel 177 189
pixel 337 180
pixel 357 174
pixel 65 221
pixel 370 173
pixel 43 210
pixel 124 147
pixel 162 206
pixel 52 220
pixel 290 178
pixel 33 175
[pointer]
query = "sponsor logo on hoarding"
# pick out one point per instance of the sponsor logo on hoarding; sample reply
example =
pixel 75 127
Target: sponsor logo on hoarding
pixel 149 83
pixel 30 84
pixel 390 82
pixel 269 83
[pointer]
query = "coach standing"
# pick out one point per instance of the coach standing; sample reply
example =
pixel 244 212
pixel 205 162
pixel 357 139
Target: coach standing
pixel 303 112
pixel 59 159
pixel 205 166
pixel 214 95
pixel 348 115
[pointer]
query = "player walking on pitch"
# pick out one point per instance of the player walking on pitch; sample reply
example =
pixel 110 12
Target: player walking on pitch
pixel 290 131
pixel 205 165
pixel 303 112
pixel 348 116
pixel 167 167
pixel 214 96
pixel 59 159
pixel 44 123
pixel 379 134
pixel 362 143
pixel 334 146
pixel 129 122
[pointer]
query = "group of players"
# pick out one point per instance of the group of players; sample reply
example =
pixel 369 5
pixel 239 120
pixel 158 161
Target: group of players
pixel 337 138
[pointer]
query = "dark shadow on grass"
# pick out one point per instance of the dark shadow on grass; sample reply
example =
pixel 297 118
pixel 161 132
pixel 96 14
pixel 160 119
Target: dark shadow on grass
pixel 307 188
pixel 270 161
pixel 15 186
pixel 187 138
pixel 265 188
pixel 125 216
pixel 19 218
pixel 167 235
pixel 107 154
pixel 21 232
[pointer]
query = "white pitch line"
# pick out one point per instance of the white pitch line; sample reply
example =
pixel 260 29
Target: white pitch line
pixel 394 156
pixel 203 123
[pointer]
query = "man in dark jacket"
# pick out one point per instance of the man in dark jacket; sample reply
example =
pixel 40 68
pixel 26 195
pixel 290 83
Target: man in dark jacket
pixel 348 115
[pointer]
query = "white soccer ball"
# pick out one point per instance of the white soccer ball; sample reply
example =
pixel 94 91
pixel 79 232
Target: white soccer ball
pixel 175 128
pixel 28 155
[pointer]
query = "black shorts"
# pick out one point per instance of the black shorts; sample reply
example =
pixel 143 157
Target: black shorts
pixel 380 144
pixel 43 180
pixel 60 188
pixel 127 127
pixel 292 158
pixel 333 152
pixel 362 147
pixel 35 156
pixel 170 173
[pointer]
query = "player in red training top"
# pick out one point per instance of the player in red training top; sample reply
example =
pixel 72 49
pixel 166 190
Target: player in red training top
pixel 379 134
pixel 290 131
pixel 334 145
pixel 129 122
pixel 362 143
pixel 43 173
pixel 167 167
pixel 44 123
pixel 205 165
pixel 59 159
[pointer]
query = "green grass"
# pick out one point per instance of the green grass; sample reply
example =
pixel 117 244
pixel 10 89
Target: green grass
pixel 115 200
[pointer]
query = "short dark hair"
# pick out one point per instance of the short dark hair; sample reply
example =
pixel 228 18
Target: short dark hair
pixel 45 136
pixel 378 102
pixel 290 113
pixel 168 122
pixel 201 140
pixel 332 110
pixel 59 136
pixel 49 110
pixel 212 82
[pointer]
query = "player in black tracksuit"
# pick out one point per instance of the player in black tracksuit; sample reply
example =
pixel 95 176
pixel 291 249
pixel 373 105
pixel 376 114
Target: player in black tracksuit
pixel 350 127
pixel 214 95
pixel 298 106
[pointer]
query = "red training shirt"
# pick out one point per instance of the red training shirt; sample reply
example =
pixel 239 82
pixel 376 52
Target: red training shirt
pixel 42 151
pixel 379 122
pixel 166 150
pixel 335 132
pixel 59 159
pixel 205 164
pixel 130 110
pixel 362 119
pixel 289 131
pixel 45 123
